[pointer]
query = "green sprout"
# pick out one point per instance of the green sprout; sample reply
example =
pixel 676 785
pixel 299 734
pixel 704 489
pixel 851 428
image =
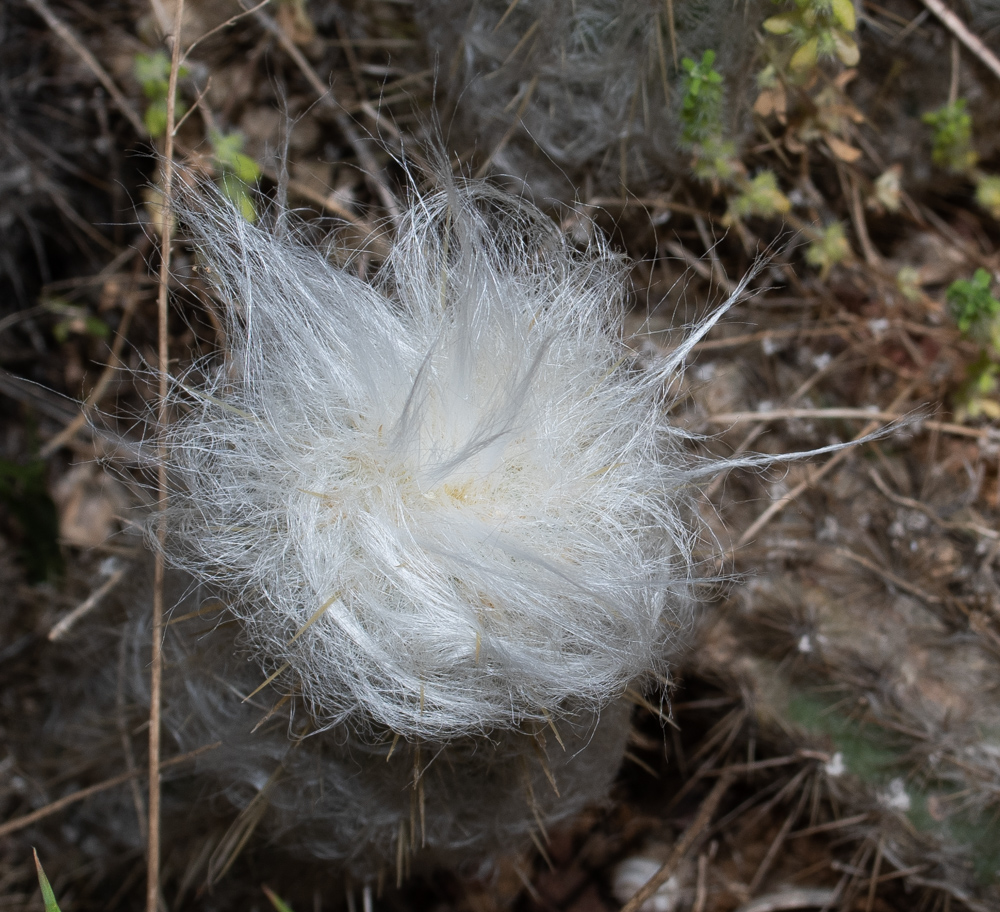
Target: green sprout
pixel 974 308
pixel 238 171
pixel 829 249
pixel 48 897
pixel 952 126
pixel 701 108
pixel 279 904
pixel 988 193
pixel 977 314
pixel 761 197
pixel 153 73
pixel 818 29
pixel 701 121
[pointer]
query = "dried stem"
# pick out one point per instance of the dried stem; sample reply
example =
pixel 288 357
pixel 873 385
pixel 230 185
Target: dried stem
pixel 19 823
pixel 961 31
pixel 90 61
pixel 683 846
pixel 166 227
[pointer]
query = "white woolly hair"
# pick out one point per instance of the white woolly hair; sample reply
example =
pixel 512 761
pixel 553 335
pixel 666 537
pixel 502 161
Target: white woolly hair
pixel 445 501
pixel 372 809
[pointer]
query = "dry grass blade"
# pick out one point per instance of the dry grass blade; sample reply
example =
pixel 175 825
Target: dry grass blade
pixel 66 34
pixel 784 900
pixel 61 628
pixel 156 673
pixel 775 508
pixel 19 823
pixel 961 31
pixel 238 835
pixel 684 845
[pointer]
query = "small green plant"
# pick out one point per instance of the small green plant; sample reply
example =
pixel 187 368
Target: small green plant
pixel 701 108
pixel 952 126
pixel 829 249
pixel 760 196
pixel 818 29
pixel 974 308
pixel 988 193
pixel 48 897
pixel 953 150
pixel 238 171
pixel 153 73
pixel 977 314
pixel 715 158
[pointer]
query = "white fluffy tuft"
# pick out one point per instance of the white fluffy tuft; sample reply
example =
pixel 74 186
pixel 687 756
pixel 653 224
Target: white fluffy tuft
pixel 447 499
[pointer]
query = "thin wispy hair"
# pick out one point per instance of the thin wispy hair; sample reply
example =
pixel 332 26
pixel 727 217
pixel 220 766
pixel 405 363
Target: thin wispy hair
pixel 367 807
pixel 563 93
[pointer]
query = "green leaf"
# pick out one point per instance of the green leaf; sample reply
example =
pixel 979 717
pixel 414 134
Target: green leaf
pixel 153 73
pixel 781 24
pixel 229 157
pixel 804 59
pixel 952 126
pixel 237 192
pixel 846 48
pixel 48 897
pixel 843 12
pixel 762 197
pixel 279 904
pixel 155 118
pixel 988 193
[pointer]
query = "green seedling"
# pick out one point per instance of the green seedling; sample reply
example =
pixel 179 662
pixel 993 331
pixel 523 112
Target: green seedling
pixel 760 197
pixel 153 73
pixel 952 126
pixel 701 121
pixel 818 29
pixel 238 171
pixel 829 249
pixel 977 314
pixel 702 131
pixel 988 193
pixel 701 108
pixel 48 897
pixel 974 308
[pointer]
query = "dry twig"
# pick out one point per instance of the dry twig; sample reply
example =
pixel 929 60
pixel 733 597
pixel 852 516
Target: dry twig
pixel 684 845
pixel 156 674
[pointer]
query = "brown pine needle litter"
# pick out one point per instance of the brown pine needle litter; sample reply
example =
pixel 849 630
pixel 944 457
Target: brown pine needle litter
pixel 825 736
